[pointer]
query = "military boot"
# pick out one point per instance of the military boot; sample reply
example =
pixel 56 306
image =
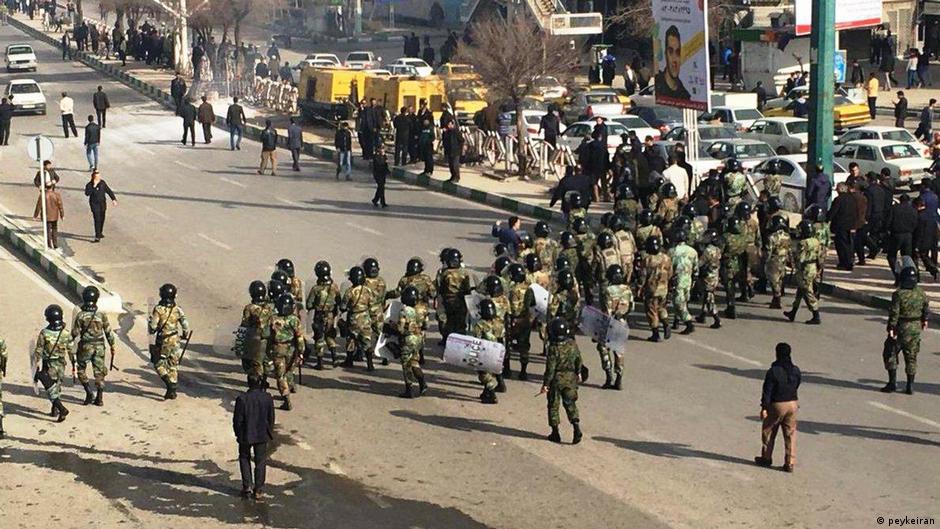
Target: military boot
pixel 172 391
pixel 54 411
pixel 731 312
pixel 384 361
pixel 892 384
pixel 655 336
pixel 717 323
pixel 488 397
pixel 422 385
pixel 618 383
pixel 370 366
pixel 675 323
pixel 775 303
pixel 910 385
pixel 63 412
pixel 169 392
pixel 98 397
pixel 421 358
pixel 790 314
pixel 666 332
pixel 554 437
pixel 408 393
pixel 1 427
pixel 576 438
pixel 89 394
pixel 749 292
pixel 701 317
pixel 333 357
pixel 507 371
pixel 815 319
pixel 500 384
pixel 522 372
pixel 609 382
pixel 689 328
pixel 319 365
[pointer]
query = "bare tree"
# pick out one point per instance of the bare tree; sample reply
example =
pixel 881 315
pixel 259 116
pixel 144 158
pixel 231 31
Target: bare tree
pixel 637 19
pixel 509 55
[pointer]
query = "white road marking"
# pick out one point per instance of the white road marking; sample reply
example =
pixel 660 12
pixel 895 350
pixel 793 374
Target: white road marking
pixel 215 242
pixel 233 182
pixel 128 264
pixel 729 354
pixel 376 499
pixel 290 202
pixel 304 446
pixel 148 151
pixel 33 276
pixel 157 213
pixel 903 413
pixel 186 165
pixel 363 228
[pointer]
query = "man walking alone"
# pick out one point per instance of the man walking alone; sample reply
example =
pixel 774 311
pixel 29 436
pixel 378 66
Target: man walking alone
pixel 67 108
pixel 253 423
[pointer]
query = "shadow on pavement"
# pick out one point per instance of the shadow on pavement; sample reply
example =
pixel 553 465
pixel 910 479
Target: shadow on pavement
pixel 671 450
pixel 464 424
pixel 865 432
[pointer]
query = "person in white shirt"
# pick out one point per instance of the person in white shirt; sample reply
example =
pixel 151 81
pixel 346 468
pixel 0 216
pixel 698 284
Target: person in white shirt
pixel 67 108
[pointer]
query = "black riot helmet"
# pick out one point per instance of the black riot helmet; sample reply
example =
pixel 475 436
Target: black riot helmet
pixel 493 286
pixel 743 210
pixel 565 279
pixel 709 236
pixel 679 235
pixel 605 219
pixel 645 218
pixel 443 255
pixel 774 205
pixel 907 278
pixel 257 291
pixel 574 200
pixel 517 272
pixel 168 294
pixel 814 214
pixel 357 276
pixel 605 240
pixel 562 263
pixel 568 240
pixel 580 226
pixel 323 271
pixel 533 263
pixel 453 258
pixel 409 296
pixel 669 190
pixel 615 275
pixel 804 229
pixel 284 305
pixel 500 249
pixel 733 225
pixel 414 266
pixel 280 275
pixel 558 331
pixel 682 223
pixel 690 210
pixel 287 266
pixel 542 229
pixel 733 165
pixel 371 267
pixel 53 314
pixel 653 245
pixel 501 263
pixel 275 289
pixel 90 297
pixel 525 240
pixel 618 223
pixel 487 309
pixel 625 192
pixel 779 223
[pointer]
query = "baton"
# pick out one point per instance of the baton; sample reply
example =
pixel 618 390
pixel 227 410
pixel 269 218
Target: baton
pixel 189 335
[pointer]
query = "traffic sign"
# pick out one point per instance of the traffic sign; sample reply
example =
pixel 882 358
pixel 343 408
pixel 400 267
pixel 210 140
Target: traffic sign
pixel 39 148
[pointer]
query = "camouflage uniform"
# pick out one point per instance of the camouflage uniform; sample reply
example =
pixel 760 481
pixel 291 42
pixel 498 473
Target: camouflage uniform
pixel 733 257
pixel 824 236
pixel 585 269
pixel 696 229
pixel 170 324
pixel 287 346
pixel 753 252
pixel 617 302
pixel 92 328
pixel 520 322
pixel 626 245
pixel 52 348
pixel 562 367
pixel 572 255
pixel 547 249
pixel 540 278
pixel 906 316
pixel 357 302
pixel 411 339
pixel 603 259
pixel 684 266
pixel 657 269
pixel 493 331
pixel 806 257
pixel 709 276
pixel 628 209
pixel 296 289
pixel 377 310
pixel 453 284
pixel 666 211
pixel 645 232
pixel 778 257
pixel 323 299
pixel 565 304
pixel 773 183
pixel 735 184
pixel 256 318
pixel 426 292
pixel 575 213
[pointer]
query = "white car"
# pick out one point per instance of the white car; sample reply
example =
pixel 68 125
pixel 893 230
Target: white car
pixel 741 118
pixel 636 124
pixel 707 134
pixel 784 135
pixel 403 69
pixel 748 152
pixel 572 135
pixel 27 96
pixel 906 163
pixel 329 57
pixel 884 133
pixel 549 88
pixel 793 185
pixel 645 97
pixel 586 105
pixel 20 57
pixel 422 67
pixel 308 63
pixel 362 60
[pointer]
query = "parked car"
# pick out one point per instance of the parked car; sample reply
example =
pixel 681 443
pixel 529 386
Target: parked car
pixel 27 97
pixel 406 70
pixel 21 57
pixel 748 152
pixel 533 118
pixel 793 169
pixel 329 57
pixel 422 67
pixel 466 103
pixel 549 88
pixel 362 60
pixel 846 113
pixel 906 164
pixel 700 166
pixel 784 135
pixel 662 118
pixel 883 133
pixel 594 103
pixel 741 118
pixel 636 124
pixel 707 134
pixel 572 135
pixel 645 97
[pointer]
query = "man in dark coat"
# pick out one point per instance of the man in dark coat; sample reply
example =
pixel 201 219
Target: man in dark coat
pixel 6 117
pixel 101 104
pixel 842 219
pixel 453 147
pixel 573 181
pixel 900 109
pixel 253 423
pixel 178 91
pixel 206 117
pixel 189 115
pixel 818 190
pixel 550 126
pixel 402 123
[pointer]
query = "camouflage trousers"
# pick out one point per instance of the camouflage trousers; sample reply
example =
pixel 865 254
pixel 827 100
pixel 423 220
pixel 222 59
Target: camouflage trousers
pixel 680 302
pixel 455 319
pixel 360 333
pixel 95 355
pixel 775 270
pixel 377 318
pixel 487 379
pixel 709 305
pixel 656 311
pixel 56 372
pixel 283 369
pixel 610 360
pixel 563 390
pixel 168 364
pixel 411 347
pixel 908 343
pixel 520 331
pixel 324 334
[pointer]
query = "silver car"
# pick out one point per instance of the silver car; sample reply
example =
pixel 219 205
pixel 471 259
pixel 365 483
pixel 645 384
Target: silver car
pixel 793 170
pixel 593 103
pixel 784 135
pixel 906 164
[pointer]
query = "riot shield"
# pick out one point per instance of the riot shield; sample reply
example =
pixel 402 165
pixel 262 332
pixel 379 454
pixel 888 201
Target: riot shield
pixel 540 309
pixel 618 332
pixel 594 323
pixel 385 348
pixel 474 354
pixel 473 307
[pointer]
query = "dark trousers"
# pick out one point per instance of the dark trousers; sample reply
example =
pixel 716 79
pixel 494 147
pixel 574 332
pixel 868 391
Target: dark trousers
pixel 244 464
pixel 295 156
pixel 68 122
pixel 453 163
pixel 401 152
pixel 4 132
pixel 102 117
pixel 366 141
pixel 428 157
pixel 413 150
pixel 177 103
pixel 871 106
pixel 898 243
pixel 861 239
pixel 207 132
pixel 899 122
pixel 98 214
pixel 843 243
pixel 875 235
pixel 189 128
pixel 379 197
pixel 52 233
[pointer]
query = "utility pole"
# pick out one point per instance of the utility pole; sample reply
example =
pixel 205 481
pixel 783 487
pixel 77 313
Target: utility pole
pixel 357 18
pixel 821 85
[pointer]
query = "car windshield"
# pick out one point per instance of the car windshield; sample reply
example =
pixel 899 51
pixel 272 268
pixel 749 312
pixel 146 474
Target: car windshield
pixel 901 150
pixel 797 127
pixel 357 57
pixel 715 133
pixel 632 122
pixel 460 69
pixel 836 168
pixel 615 129
pixel 28 88
pixel 842 100
pixel 898 135
pixel 747 113
pixel 594 99
pixel 753 150
pixel 19 50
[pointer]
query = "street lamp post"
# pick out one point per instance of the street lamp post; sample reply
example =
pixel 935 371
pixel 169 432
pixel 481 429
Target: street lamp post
pixel 821 84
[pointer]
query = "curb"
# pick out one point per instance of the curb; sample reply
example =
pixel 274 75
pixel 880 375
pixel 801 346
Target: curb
pixel 61 269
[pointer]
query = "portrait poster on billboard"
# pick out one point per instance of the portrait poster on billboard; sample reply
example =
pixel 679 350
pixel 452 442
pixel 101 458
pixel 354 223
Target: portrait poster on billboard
pixel 680 53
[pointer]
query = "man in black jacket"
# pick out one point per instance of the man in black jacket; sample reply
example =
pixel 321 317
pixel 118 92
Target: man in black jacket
pixel 402 123
pixel 268 148
pixel 189 113
pixel 879 203
pixel 900 109
pixel 342 140
pixel 101 104
pixel 380 173
pixel 550 125
pixel 6 116
pixel 842 221
pixel 92 139
pixel 253 423
pixel 235 119
pixel 573 181
pixel 453 147
pixel 778 406
pixel 178 91
pixel 902 220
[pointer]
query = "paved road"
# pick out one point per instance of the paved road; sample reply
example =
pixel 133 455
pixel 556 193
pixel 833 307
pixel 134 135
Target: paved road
pixel 673 449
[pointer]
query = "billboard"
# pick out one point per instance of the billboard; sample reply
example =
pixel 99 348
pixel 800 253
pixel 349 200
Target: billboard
pixel 680 53
pixel 850 14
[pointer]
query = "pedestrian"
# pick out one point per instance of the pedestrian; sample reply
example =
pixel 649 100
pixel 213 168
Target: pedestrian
pixel 55 212
pixel 912 57
pixel 92 140
pixel 67 109
pixel 925 238
pixel 761 93
pixel 842 220
pixel 98 192
pixel 253 423
pixel 178 91
pixel 206 116
pixel 380 173
pixel 101 104
pixel 574 182
pixel 453 148
pixel 66 43
pixel 6 117
pixel 819 190
pixel 426 147
pixel 778 408
pixel 342 140
pixel 508 234
pixel 550 125
pixel 925 126
pixel 295 142
pixel 235 119
pixel 879 204
pixel 3 372
pixel 900 109
pixel 402 124
pixel 871 92
pixel 268 148
pixel 861 227
pixel 51 175
pixel 189 113
pixel 923 69
pixel 901 223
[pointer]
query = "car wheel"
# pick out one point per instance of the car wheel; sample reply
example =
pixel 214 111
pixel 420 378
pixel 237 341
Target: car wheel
pixel 782 151
pixel 790 204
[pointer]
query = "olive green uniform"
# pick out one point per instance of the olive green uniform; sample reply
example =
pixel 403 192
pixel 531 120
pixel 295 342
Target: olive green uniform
pixel 453 284
pixel 357 302
pixel 493 331
pixel 52 348
pixel 92 329
pixel 411 336
pixel 287 347
pixel 256 319
pixel 562 368
pixel 170 325
pixel 906 318
pixel 323 299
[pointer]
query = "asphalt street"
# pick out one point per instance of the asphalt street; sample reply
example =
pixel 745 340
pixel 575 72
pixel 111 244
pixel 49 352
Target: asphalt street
pixel 674 449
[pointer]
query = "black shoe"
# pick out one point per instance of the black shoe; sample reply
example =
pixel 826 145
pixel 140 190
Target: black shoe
pixel 89 395
pixel 790 314
pixel 408 393
pixel 488 397
pixel 700 318
pixel 775 303
pixel 385 361
pixel 608 384
pixel 716 324
pixel 246 493
pixel 761 462
pixel 689 328
pixel 892 384
pixel 910 385
pixel 286 406
pixel 522 372
pixel 63 412
pixel 554 437
pixel 369 365
pixel 815 319
pixel 422 386
pixel 507 372
pixel 666 332
pixel 731 312
pixel 500 384
pixel 576 438
pixel 98 399
pixel 319 364
pixel 1 428
pixel 654 337
pixel 348 362
pixel 618 383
